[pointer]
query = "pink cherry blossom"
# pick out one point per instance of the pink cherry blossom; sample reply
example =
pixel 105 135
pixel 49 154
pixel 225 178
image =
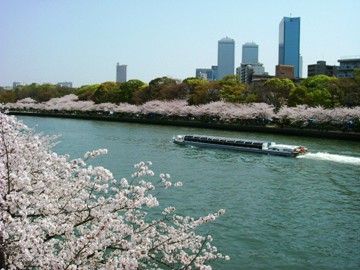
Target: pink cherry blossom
pixel 215 111
pixel 58 213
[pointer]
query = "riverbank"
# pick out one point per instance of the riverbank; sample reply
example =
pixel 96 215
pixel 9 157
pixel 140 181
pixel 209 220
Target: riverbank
pixel 208 123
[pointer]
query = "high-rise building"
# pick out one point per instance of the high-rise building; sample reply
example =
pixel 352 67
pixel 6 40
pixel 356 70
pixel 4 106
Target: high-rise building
pixel 121 73
pixel 250 53
pixel 250 65
pixel 289 43
pixel 226 58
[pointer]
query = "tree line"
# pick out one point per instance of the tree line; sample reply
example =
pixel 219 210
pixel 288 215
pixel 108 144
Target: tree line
pixel 320 90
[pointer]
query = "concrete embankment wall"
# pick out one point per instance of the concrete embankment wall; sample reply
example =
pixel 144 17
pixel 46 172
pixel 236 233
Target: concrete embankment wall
pixel 352 136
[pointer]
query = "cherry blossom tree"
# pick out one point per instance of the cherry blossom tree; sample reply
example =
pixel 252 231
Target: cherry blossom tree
pixel 218 110
pixel 127 108
pixel 58 213
pixel 26 103
pixel 174 107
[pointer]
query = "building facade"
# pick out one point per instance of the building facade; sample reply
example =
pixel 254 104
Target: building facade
pixel 250 53
pixel 246 72
pixel 321 68
pixel 16 84
pixel 250 65
pixel 121 71
pixel 347 66
pixel 208 74
pixel 226 58
pixel 285 72
pixel 204 73
pixel 289 43
pixel 64 84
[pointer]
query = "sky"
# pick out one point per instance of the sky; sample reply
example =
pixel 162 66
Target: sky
pixel 81 41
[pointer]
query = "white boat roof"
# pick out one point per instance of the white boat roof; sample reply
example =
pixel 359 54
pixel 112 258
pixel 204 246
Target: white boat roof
pixel 227 138
pixel 285 146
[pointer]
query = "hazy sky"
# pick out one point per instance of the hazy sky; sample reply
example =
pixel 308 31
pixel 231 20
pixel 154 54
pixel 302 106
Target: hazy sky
pixel 82 40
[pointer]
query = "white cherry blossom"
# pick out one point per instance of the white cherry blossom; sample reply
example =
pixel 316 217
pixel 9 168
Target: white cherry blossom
pixel 58 213
pixel 219 110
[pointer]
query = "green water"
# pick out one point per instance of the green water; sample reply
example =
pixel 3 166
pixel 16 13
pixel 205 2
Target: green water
pixel 281 213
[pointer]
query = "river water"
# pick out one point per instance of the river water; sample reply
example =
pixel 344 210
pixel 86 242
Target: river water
pixel 281 213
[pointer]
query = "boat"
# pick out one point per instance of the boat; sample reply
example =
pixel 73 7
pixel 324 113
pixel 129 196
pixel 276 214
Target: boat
pixel 263 147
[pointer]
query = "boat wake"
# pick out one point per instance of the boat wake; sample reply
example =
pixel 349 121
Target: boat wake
pixel 332 157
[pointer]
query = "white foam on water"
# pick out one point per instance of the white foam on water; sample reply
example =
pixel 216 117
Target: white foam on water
pixel 332 157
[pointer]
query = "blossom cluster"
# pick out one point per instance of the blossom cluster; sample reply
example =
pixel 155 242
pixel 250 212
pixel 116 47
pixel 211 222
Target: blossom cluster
pixel 222 110
pixel 58 213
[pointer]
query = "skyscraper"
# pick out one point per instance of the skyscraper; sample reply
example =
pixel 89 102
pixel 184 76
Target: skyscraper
pixel 121 73
pixel 226 57
pixel 250 65
pixel 250 53
pixel 289 43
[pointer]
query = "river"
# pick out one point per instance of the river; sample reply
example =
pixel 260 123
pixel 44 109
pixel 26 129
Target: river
pixel 281 213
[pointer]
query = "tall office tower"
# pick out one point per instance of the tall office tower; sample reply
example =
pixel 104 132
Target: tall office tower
pixel 250 65
pixel 250 53
pixel 289 43
pixel 226 58
pixel 121 73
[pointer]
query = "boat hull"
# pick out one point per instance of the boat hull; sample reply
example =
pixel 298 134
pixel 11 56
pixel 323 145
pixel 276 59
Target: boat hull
pixel 230 144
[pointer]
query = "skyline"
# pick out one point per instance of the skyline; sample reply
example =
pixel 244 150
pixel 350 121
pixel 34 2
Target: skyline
pixel 82 41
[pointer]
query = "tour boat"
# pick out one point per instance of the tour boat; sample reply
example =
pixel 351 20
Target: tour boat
pixel 263 147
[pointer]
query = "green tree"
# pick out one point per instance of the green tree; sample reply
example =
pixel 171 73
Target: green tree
pixel 198 91
pixel 319 91
pixel 231 89
pixel 25 91
pixel 357 75
pixel 106 92
pixel 141 96
pixel 298 96
pixel 64 90
pixel 250 98
pixel 37 92
pixel 172 92
pixel 348 92
pixel 45 92
pixel 127 90
pixel 276 92
pixel 86 92
pixel 7 96
pixel 41 93
pixel 319 97
pixel 201 91
pixel 157 85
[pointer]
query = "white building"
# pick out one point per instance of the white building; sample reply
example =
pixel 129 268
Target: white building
pixel 247 71
pixel 64 84
pixel 121 73
pixel 250 65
